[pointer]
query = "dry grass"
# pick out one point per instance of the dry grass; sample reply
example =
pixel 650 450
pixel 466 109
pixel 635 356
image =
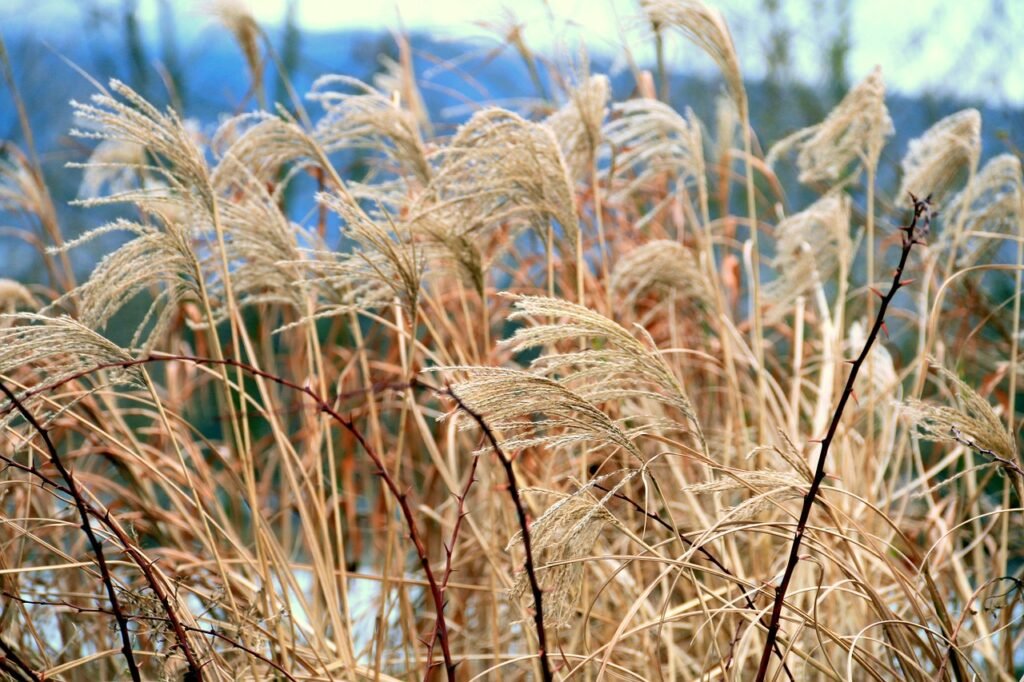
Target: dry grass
pixel 544 388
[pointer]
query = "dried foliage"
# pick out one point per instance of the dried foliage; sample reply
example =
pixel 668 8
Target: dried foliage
pixel 810 247
pixel 528 399
pixel 945 150
pixel 664 267
pixel 971 417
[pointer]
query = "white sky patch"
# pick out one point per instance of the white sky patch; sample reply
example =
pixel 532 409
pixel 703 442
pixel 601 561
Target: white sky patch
pixel 947 47
pixel 944 46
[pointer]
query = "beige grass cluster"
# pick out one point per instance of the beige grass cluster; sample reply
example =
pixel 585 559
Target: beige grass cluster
pixel 855 130
pixel 541 372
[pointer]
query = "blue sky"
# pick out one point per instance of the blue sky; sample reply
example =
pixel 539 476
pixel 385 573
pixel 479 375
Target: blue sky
pixel 972 49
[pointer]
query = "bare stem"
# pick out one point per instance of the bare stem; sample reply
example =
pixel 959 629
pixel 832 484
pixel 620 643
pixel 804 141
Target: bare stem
pixel 524 527
pixel 94 541
pixel 400 494
pixel 707 554
pixel 449 551
pixel 922 210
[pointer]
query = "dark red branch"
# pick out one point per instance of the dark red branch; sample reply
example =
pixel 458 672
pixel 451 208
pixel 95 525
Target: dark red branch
pixel 401 495
pixel 524 527
pixel 449 552
pixel 911 235
pixel 707 554
pixel 94 542
pixel 12 664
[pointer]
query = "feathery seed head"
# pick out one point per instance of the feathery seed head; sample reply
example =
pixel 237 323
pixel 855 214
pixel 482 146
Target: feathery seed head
pixel 385 263
pixel 501 168
pixel 810 246
pixel 13 295
pixel 58 348
pixel 933 160
pixel 664 266
pixel 990 204
pixel 561 538
pixel 368 119
pixel 854 130
pixel 652 144
pixel 577 125
pixel 621 369
pixel 236 16
pixel 128 118
pixel 705 27
pixel 972 418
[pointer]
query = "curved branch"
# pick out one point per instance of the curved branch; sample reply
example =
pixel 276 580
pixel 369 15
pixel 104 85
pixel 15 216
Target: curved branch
pixel 912 235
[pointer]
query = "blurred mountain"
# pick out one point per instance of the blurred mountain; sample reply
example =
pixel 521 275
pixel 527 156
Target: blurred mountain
pixel 204 75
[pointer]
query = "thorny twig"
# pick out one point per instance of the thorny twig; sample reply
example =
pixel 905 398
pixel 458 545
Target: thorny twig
pixel 524 527
pixel 449 551
pixel 654 516
pixel 912 234
pixel 400 494
pixel 94 542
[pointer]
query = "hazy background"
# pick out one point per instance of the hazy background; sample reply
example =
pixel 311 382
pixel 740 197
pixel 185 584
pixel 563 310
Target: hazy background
pixel 798 56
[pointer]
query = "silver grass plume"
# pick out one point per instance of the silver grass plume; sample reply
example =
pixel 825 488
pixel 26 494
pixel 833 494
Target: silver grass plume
pixel 500 168
pixel 704 27
pixel 727 127
pixel 368 119
pixel 385 262
pixel 855 130
pixel 991 204
pixel 561 539
pixel 765 489
pixel 933 160
pixel 623 367
pixel 663 266
pixel 792 456
pixel 809 247
pixel 651 141
pixel 973 419
pixel 577 124
pixel 154 257
pixel 20 189
pixel 58 348
pixel 397 76
pixel 177 159
pixel 115 166
pixel 509 398
pixel 261 243
pixel 264 144
pixel 14 295
pixel 451 251
pixel 177 198
pixel 236 16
